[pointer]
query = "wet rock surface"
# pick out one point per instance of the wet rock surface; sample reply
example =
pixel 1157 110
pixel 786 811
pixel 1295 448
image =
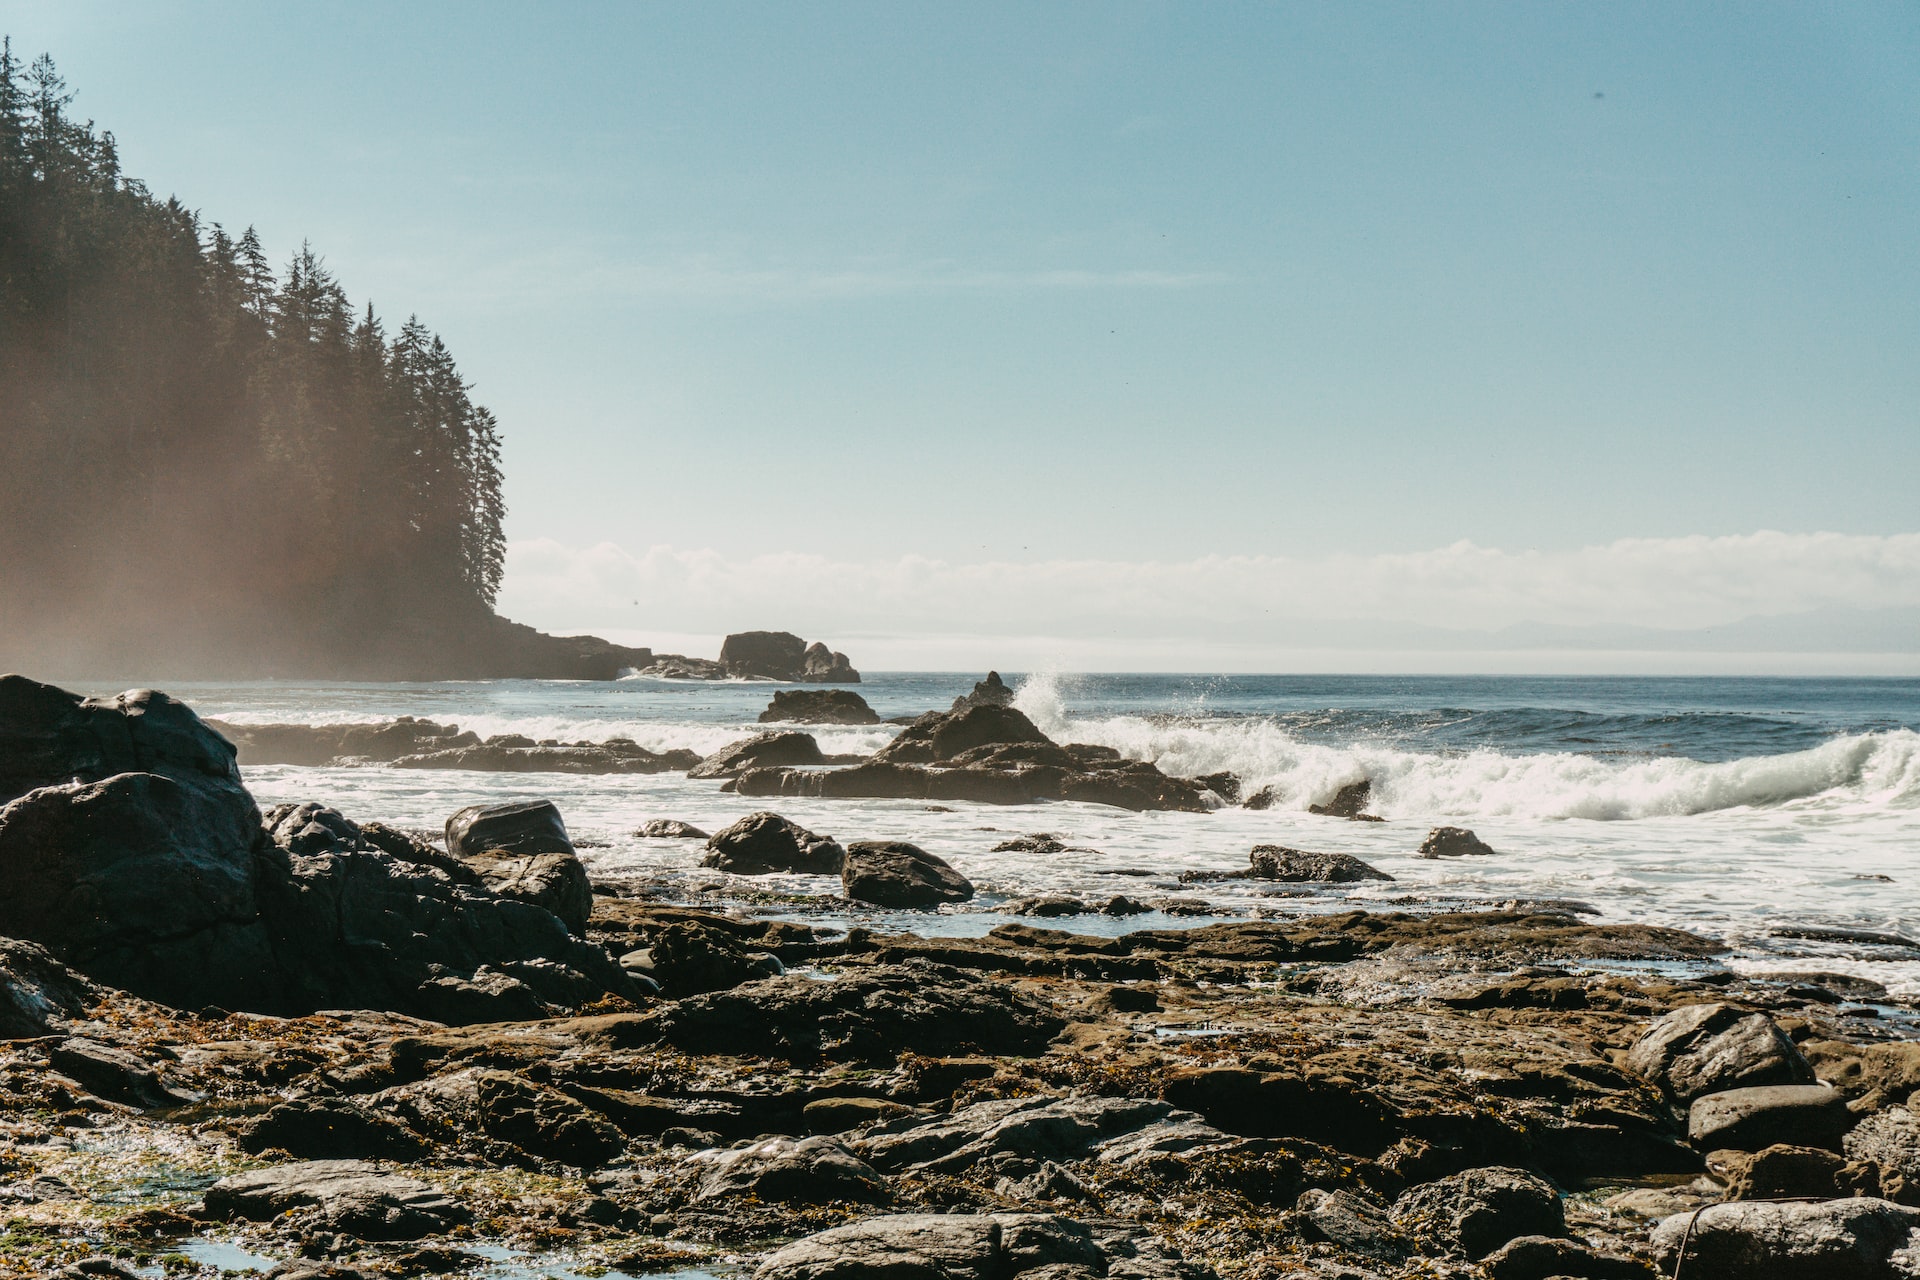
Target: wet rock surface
pixel 991 753
pixel 893 873
pixel 446 1071
pixel 763 843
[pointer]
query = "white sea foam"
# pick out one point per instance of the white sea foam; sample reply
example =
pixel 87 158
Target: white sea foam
pixel 1860 770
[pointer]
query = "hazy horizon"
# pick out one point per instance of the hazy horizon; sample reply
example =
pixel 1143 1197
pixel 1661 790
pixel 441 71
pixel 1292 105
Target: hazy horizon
pixel 1122 337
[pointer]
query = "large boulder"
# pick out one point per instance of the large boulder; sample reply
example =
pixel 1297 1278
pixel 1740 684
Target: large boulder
pixel 521 851
pixel 1706 1048
pixel 126 842
pixel 774 749
pixel 1478 1210
pixel 893 873
pixel 524 827
pixel 350 1196
pixel 765 843
pixel 818 706
pixel 1850 1239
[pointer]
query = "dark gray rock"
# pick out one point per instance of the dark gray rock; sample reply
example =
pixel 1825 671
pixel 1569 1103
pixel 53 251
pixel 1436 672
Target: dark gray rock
pixel 556 882
pixel 1053 1128
pixel 939 736
pixel 350 1196
pixel 818 706
pixel 765 843
pixel 36 991
pixel 938 1247
pixel 872 1015
pixel 1453 842
pixel 1261 799
pixel 769 655
pixel 821 665
pixel 1478 1210
pixel 775 749
pixel 1276 862
pixel 525 827
pixel 113 1074
pixel 892 873
pixel 1801 1115
pixel 818 1170
pixel 613 757
pixel 331 1128
pixel 1348 802
pixel 1706 1048
pixel 1850 1239
pixel 670 829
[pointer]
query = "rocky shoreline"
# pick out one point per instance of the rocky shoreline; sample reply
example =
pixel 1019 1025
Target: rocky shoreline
pixel 357 1051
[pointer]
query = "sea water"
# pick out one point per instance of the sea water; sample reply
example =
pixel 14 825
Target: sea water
pixel 1732 807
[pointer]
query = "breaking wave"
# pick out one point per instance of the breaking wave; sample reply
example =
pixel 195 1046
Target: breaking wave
pixel 1862 770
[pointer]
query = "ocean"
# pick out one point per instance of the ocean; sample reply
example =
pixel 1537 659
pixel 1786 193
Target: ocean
pixel 1738 808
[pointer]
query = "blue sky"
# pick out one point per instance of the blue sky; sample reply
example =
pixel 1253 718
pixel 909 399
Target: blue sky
pixel 1129 284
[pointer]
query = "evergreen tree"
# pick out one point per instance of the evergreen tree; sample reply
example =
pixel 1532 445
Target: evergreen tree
pixel 196 451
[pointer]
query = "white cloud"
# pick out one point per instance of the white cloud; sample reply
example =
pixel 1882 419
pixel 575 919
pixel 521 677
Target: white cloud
pixel 1245 606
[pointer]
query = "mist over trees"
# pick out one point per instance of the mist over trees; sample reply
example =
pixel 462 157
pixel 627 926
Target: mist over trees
pixel 208 466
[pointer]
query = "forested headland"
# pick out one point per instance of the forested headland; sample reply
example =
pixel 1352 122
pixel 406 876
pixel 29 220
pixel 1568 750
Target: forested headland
pixel 212 468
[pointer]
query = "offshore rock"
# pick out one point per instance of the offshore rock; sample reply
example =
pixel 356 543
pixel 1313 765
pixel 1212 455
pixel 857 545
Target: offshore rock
pixel 670 829
pixel 819 665
pixel 761 751
pixel 939 736
pixel 1453 842
pixel 765 843
pixel 615 756
pixel 316 744
pixel 991 692
pixel 893 873
pixel 781 655
pixel 1348 802
pixel 1275 862
pixel 818 706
